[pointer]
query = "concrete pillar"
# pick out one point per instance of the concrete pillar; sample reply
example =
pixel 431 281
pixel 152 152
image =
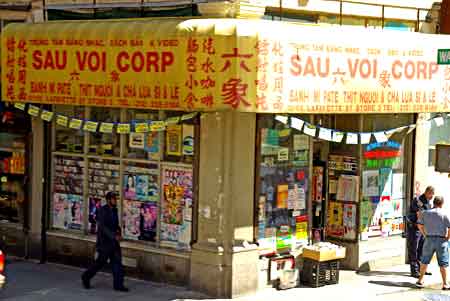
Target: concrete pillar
pixel 37 178
pixel 224 260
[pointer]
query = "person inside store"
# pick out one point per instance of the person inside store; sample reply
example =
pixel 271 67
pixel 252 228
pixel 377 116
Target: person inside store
pixel 434 225
pixel 414 237
pixel 108 246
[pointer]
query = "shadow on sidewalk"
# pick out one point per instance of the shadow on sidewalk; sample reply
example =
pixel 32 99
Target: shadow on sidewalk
pixel 393 283
pixel 384 273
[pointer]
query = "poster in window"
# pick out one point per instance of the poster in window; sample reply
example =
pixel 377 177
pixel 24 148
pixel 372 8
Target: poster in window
pixel 385 181
pixel 349 221
pixel 61 217
pixel 282 196
pixel 370 183
pixel 174 140
pixel 152 145
pixel 142 187
pixel 177 185
pixel 131 219
pixel 398 185
pixel 148 219
pixel 188 140
pixel 76 212
pixel 95 204
pixel 301 228
pixel 130 187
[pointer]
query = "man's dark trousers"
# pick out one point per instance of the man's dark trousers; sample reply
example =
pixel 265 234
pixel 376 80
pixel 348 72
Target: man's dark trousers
pixel 415 245
pixel 115 258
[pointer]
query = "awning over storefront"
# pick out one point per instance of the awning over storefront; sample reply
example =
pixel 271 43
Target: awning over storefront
pixel 222 64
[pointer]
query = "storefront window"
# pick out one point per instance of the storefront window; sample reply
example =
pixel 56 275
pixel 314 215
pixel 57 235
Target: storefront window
pixel 68 134
pixel 283 187
pixel 384 178
pixel 152 173
pixel 104 144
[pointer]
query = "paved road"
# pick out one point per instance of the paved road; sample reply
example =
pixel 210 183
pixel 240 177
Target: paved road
pixel 49 282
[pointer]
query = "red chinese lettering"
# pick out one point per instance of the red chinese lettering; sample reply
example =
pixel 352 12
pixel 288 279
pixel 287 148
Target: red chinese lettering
pixel 234 92
pixel 208 100
pixel 278 103
pixel 278 85
pixel 115 76
pixel 208 46
pixel 207 66
pixel 22 94
pixel 10 61
pixel 207 83
pixel 192 45
pixel 22 61
pixel 277 49
pixel 11 44
pixel 385 79
pixel 191 100
pixel 262 84
pixel 22 45
pixel 74 75
pixel 278 67
pixel 261 102
pixel 10 92
pixel 22 76
pixel 10 76
pixel 262 47
pixel 236 54
pixel 191 82
pixel 339 75
pixel 262 65
pixel 191 63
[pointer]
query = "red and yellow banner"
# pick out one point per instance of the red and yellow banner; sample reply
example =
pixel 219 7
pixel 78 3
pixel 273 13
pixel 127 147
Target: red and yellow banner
pixel 209 65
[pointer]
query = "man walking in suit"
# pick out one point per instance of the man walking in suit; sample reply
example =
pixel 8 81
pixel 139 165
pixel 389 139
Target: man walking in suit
pixel 108 247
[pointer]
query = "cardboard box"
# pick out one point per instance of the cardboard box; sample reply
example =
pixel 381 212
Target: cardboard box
pixel 324 255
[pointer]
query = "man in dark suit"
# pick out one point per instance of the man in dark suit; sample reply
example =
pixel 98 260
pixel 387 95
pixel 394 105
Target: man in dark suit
pixel 108 247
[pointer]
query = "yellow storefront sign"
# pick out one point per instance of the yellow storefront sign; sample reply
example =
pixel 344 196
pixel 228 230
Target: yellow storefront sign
pixel 210 65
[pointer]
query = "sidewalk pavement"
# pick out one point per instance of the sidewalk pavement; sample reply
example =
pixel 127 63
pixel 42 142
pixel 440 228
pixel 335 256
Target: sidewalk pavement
pixel 31 281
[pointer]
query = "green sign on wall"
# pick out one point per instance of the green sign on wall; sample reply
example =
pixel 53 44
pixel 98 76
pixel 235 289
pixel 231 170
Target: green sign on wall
pixel 443 57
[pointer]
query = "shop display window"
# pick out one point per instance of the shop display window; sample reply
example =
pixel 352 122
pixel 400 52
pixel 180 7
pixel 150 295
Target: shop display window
pixel 151 172
pixel 68 139
pixel 68 198
pixel 282 190
pixel 104 144
pixel 384 178
pixel 12 177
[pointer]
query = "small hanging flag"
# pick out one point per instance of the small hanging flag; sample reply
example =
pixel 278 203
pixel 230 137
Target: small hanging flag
pixel 47 115
pixel 297 123
pixel 62 120
pixel 325 134
pixel 439 121
pixel 33 110
pixel 123 128
pixel 172 120
pixel 310 129
pixel 141 127
pixel 338 136
pixel 157 126
pixel 284 133
pixel 188 116
pixel 365 138
pixel 90 126
pixel 75 124
pixel 352 138
pixel 282 119
pixel 380 137
pixel 20 106
pixel 106 127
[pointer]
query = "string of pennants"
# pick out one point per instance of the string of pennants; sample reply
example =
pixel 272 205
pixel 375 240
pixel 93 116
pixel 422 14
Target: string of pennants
pixel 352 137
pixel 103 127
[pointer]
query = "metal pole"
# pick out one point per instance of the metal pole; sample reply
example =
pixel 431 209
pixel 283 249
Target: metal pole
pixel 340 12
pixel 382 17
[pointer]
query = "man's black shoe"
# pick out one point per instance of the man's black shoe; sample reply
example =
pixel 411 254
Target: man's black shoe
pixel 428 273
pixel 86 283
pixel 122 289
pixel 415 275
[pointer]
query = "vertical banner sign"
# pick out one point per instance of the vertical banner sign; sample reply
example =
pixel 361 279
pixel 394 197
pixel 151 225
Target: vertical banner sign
pixel 179 65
